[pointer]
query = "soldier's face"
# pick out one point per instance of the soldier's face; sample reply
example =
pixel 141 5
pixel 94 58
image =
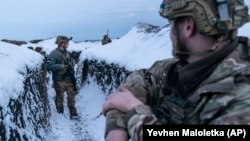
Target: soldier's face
pixel 177 38
pixel 65 45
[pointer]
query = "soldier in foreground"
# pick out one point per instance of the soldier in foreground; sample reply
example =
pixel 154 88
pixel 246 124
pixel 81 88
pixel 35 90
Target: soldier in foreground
pixel 207 81
pixel 61 65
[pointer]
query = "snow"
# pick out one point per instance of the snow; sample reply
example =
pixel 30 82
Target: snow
pixel 134 50
pixel 88 103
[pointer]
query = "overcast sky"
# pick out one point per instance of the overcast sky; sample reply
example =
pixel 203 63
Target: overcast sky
pixel 82 19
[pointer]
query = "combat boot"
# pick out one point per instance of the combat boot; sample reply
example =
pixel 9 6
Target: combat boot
pixel 59 110
pixel 74 116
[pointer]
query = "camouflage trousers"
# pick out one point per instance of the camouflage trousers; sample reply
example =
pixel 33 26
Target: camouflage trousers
pixel 60 88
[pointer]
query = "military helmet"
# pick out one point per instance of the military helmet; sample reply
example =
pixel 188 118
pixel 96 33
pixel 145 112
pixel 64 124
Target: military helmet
pixel 211 16
pixel 62 39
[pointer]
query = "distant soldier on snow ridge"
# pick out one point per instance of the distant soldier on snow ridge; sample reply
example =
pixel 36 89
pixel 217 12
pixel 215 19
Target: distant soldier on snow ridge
pixel 106 39
pixel 62 66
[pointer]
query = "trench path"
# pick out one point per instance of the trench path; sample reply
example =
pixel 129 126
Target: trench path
pixel 90 126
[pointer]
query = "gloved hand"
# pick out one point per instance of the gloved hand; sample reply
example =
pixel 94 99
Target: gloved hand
pixel 72 64
pixel 65 67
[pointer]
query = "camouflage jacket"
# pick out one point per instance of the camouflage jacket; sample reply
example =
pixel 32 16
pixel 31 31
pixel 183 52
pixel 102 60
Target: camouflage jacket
pixel 222 96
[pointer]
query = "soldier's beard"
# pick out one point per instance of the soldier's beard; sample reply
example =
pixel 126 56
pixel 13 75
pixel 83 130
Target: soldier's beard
pixel 180 49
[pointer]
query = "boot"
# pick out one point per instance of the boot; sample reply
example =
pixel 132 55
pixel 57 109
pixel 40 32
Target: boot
pixel 73 113
pixel 74 116
pixel 59 110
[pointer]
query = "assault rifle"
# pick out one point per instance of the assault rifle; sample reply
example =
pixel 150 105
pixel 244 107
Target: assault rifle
pixel 70 72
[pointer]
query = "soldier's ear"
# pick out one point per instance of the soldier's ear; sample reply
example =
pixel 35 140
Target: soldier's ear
pixel 189 26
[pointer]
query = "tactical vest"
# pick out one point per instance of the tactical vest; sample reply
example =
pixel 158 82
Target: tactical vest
pixel 66 60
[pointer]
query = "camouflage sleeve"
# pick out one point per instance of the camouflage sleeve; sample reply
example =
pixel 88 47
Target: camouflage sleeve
pixel 136 118
pixel 147 85
pixel 230 109
pixel 135 83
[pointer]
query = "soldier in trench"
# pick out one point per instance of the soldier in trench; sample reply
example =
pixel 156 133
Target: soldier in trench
pixel 61 64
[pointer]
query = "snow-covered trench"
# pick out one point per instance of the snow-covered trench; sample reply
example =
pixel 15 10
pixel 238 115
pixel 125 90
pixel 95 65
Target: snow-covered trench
pixel 33 116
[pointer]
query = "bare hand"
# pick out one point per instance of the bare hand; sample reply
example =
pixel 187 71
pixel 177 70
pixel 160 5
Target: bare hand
pixel 117 135
pixel 122 100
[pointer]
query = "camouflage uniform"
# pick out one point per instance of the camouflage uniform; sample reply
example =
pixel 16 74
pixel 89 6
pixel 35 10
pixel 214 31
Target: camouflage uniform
pixel 221 98
pixel 62 77
pixel 213 90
